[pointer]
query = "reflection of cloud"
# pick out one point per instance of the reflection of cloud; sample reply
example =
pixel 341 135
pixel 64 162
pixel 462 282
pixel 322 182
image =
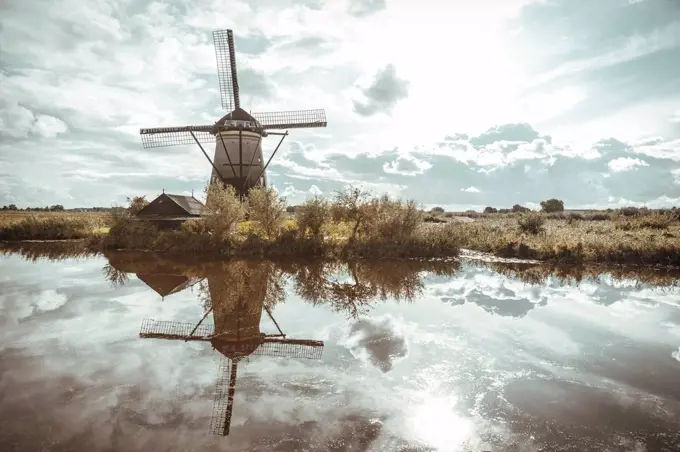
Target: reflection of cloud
pixel 676 354
pixel 378 340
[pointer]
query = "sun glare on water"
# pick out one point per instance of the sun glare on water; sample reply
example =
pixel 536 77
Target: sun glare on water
pixel 435 422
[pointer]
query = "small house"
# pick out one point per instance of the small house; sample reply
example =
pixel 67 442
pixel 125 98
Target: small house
pixel 170 211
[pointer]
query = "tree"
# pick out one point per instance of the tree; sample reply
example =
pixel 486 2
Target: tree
pixel 354 206
pixel 518 208
pixel 490 209
pixel 437 210
pixel 552 205
pixel 267 209
pixel 12 207
pixel 136 204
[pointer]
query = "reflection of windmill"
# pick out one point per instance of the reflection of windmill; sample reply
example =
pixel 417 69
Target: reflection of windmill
pixel 237 135
pixel 236 335
pixel 165 285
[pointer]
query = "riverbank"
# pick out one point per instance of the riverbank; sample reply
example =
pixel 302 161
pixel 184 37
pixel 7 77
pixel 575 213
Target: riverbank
pixel 355 227
pixel 652 239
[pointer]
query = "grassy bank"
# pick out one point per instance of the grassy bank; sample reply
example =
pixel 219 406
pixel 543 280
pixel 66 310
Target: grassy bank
pixel 650 239
pixel 354 223
pixel 50 226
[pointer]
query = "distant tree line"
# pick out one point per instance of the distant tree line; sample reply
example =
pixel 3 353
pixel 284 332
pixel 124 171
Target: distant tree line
pixel 54 208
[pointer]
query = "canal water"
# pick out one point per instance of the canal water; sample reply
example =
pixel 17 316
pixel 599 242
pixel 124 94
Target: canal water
pixel 137 352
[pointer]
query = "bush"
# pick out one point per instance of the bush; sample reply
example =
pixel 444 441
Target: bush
pixel 354 206
pixel 656 221
pixel 223 211
pixel 437 210
pixel 433 219
pixel 629 211
pixel 136 204
pixel 267 209
pixel 490 209
pixel 531 223
pixel 518 208
pixel 392 218
pixel 552 205
pixel 312 216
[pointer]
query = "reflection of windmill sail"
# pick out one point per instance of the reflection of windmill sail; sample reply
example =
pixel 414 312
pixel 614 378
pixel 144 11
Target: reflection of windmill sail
pixel 237 301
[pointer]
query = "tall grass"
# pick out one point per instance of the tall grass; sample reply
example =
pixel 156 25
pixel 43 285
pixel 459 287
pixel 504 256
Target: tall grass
pixel 50 228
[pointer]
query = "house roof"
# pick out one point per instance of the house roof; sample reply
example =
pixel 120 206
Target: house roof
pixel 190 204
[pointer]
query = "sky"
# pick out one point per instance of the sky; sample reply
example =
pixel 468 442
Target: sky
pixel 457 104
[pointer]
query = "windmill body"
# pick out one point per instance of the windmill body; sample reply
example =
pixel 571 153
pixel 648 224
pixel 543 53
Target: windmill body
pixel 237 159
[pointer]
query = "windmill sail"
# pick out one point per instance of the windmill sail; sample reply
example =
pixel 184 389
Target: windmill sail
pixel 225 390
pixel 226 69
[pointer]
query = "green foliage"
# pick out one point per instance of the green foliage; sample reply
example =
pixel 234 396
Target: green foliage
pixel 531 223
pixel 267 209
pixel 312 216
pixel 552 205
pixel 354 206
pixel 136 204
pixel 392 217
pixel 223 210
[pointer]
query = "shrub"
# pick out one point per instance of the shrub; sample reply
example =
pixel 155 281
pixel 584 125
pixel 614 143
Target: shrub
pixel 518 208
pixel 597 217
pixel 223 210
pixel 656 221
pixel 267 209
pixel 490 209
pixel 531 223
pixel 629 211
pixel 312 216
pixel 136 204
pixel 552 205
pixel 352 205
pixel 392 218
pixel 433 219
pixel 437 210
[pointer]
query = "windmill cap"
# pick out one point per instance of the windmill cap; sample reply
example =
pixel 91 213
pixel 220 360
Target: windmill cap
pixel 238 114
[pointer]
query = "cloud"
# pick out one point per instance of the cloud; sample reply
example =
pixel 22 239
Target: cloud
pixel 625 164
pixel 362 8
pixel 101 70
pixel 511 164
pixel 379 341
pixel 383 93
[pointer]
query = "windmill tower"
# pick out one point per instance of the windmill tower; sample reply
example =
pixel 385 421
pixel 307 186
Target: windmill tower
pixel 237 159
pixel 235 335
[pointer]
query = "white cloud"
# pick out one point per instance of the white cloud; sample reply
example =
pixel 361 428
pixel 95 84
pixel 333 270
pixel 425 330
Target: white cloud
pixel 470 190
pixel 625 164
pixel 314 190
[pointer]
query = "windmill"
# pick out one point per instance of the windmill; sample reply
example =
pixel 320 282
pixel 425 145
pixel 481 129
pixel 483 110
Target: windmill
pixel 236 336
pixel 237 160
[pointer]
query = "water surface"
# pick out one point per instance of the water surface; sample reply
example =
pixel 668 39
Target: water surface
pixel 380 356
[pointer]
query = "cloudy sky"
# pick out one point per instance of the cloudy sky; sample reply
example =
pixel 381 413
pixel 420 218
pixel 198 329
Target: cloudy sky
pixel 460 104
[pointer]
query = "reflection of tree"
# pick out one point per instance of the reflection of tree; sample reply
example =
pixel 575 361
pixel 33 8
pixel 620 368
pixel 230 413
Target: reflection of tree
pixel 114 276
pixel 538 274
pixel 353 286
